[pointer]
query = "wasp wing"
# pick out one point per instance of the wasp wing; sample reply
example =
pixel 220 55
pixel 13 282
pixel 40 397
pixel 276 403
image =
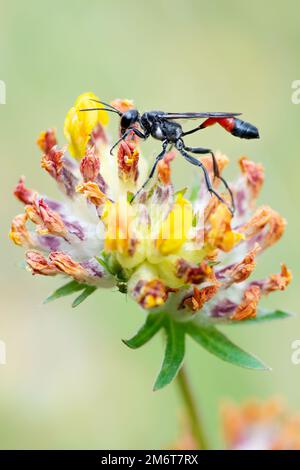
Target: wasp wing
pixel 199 115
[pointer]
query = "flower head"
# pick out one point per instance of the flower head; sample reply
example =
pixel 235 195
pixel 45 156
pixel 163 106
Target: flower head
pixel 180 255
pixel 253 425
pixel 170 248
pixel 258 425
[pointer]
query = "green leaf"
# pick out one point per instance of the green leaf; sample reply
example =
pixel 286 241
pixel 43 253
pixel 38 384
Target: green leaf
pixel 67 289
pixel 111 265
pixel 87 291
pixel 264 316
pixel 213 263
pixel 194 192
pixel 152 325
pixel 174 353
pixel 181 192
pixel 103 263
pixel 130 196
pixel 218 344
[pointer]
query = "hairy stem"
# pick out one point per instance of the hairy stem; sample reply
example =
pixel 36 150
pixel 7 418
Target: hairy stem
pixel 191 409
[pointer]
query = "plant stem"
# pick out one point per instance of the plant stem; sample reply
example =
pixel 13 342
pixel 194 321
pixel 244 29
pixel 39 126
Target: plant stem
pixel 191 409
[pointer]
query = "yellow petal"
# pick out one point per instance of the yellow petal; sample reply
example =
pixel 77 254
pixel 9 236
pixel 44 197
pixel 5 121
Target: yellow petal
pixel 79 125
pixel 176 227
pixel 220 235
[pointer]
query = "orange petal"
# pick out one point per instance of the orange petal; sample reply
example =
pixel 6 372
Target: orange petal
pixel 277 281
pixel 92 192
pixel 254 174
pixel 222 161
pixel 18 232
pixel 241 271
pixel 164 168
pixel 238 420
pixel 24 194
pixel 200 297
pixel 65 264
pixel 192 274
pixel 90 165
pixel 264 217
pixel 52 161
pixel 122 105
pixel 48 220
pixel 38 264
pixel 220 235
pixel 247 308
pixel 233 423
pixel 128 158
pixel 289 435
pixel 47 140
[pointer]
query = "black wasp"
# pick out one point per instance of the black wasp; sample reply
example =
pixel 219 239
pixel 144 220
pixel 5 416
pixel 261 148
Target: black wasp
pixel 163 126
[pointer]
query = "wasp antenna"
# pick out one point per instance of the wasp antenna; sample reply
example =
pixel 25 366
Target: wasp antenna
pixel 108 105
pixel 99 109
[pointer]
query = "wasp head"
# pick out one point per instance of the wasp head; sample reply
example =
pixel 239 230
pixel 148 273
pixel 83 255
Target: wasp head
pixel 129 118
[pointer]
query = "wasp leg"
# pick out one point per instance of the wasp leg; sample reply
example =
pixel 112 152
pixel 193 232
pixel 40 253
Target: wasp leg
pixel 139 133
pixel 158 158
pixel 209 186
pixel 123 137
pixel 203 151
pixel 126 133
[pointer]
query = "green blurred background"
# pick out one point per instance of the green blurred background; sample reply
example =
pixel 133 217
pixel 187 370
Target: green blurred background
pixel 69 382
